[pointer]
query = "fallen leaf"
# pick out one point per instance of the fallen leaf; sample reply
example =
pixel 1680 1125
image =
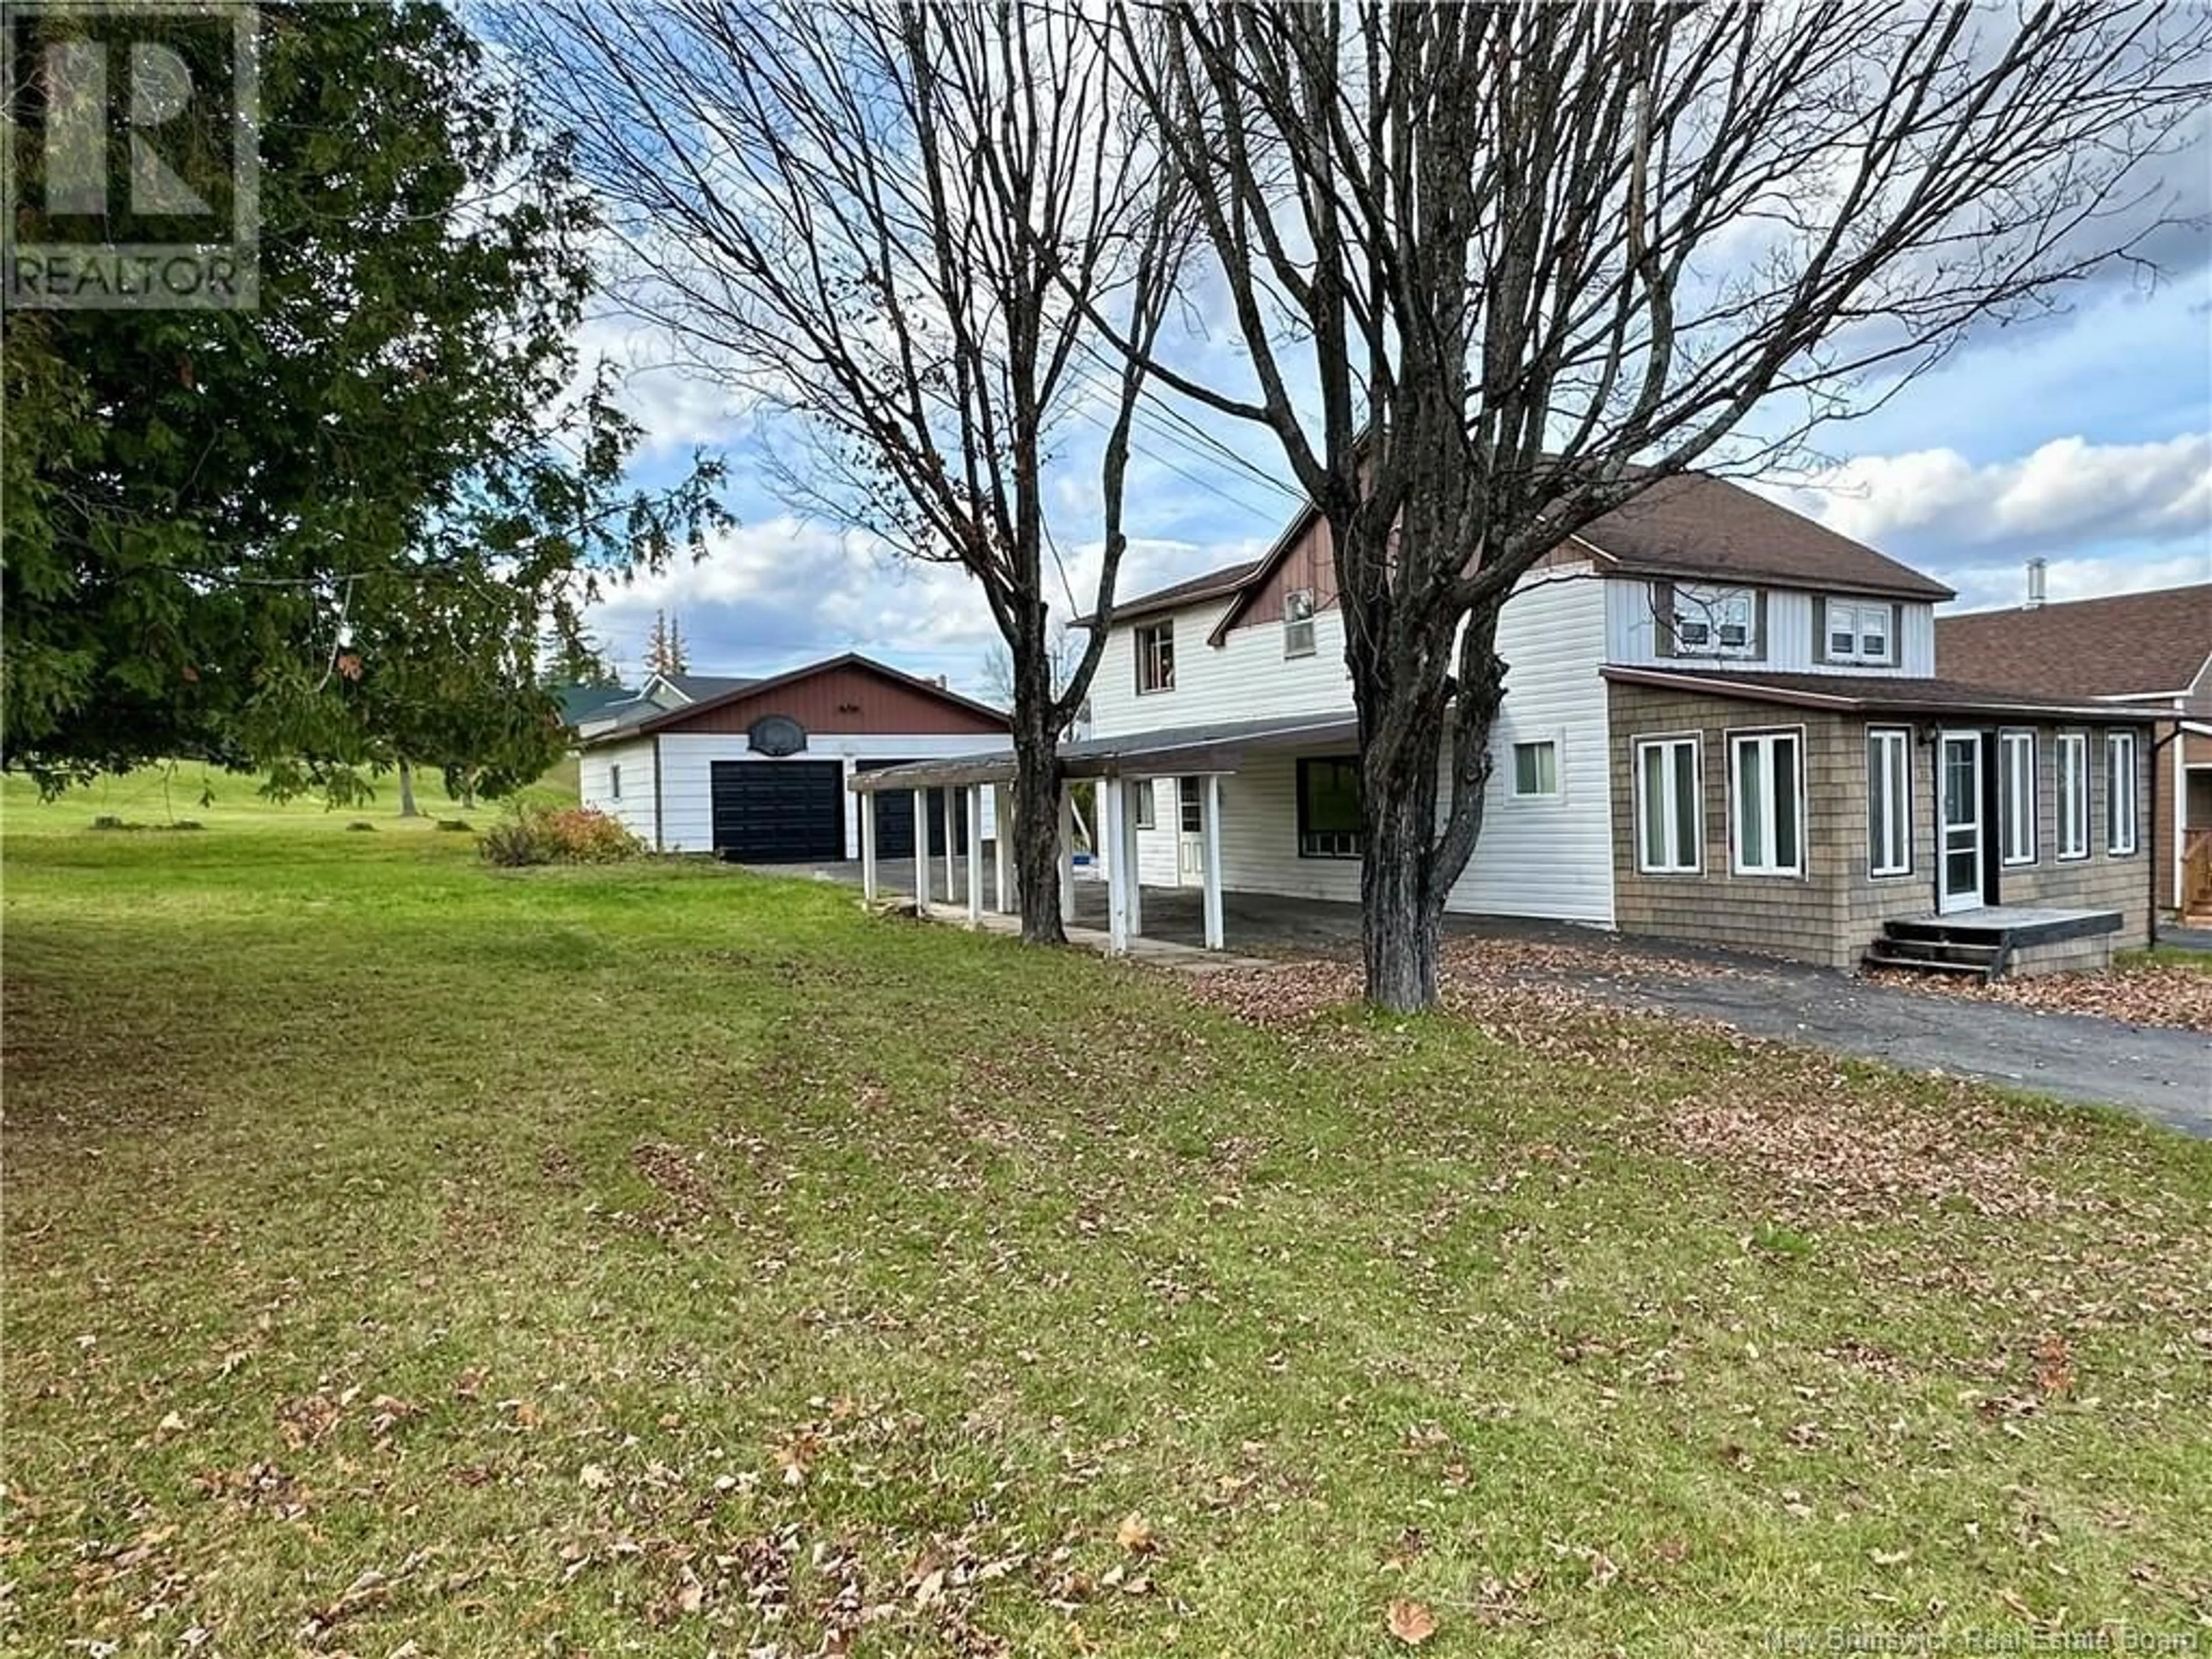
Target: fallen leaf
pixel 1409 1622
pixel 1134 1534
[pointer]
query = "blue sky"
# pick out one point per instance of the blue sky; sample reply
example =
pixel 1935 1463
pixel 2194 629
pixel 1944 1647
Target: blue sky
pixel 2085 438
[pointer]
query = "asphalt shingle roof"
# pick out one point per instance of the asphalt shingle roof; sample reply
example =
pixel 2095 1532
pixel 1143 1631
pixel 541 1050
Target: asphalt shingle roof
pixel 2129 645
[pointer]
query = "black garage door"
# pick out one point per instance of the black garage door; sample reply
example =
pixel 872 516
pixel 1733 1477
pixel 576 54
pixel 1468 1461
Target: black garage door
pixel 895 817
pixel 780 811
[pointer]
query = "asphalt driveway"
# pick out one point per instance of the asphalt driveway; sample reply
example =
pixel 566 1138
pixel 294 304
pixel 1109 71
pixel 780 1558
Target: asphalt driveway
pixel 2160 1075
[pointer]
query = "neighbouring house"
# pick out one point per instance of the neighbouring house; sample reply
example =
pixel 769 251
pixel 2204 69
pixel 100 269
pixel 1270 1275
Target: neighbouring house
pixel 1723 724
pixel 756 769
pixel 589 710
pixel 2150 650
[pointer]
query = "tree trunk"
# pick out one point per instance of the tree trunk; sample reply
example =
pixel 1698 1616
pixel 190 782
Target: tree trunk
pixel 407 807
pixel 1400 903
pixel 1037 837
pixel 1412 855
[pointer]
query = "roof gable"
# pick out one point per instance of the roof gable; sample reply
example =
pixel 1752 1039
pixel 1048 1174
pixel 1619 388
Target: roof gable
pixel 829 696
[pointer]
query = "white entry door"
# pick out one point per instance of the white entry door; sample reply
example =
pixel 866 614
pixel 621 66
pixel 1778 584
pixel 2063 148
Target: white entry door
pixel 1958 823
pixel 1190 811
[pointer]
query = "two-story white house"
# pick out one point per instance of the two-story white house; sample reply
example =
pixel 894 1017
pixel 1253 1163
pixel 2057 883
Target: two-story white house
pixel 1724 723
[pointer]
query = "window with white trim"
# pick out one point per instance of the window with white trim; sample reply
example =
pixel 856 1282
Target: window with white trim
pixel 1156 657
pixel 2071 753
pixel 1298 622
pixel 2016 798
pixel 1766 803
pixel 614 781
pixel 1716 621
pixel 1536 769
pixel 1861 631
pixel 1147 804
pixel 1670 807
pixel 1889 801
pixel 2120 785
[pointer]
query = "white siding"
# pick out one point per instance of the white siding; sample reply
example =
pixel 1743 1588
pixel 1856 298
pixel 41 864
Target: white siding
pixel 687 757
pixel 1245 677
pixel 1548 857
pixel 595 777
pixel 1631 635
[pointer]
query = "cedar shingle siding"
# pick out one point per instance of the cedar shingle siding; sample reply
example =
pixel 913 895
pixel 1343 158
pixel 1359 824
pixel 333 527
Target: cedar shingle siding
pixel 1834 911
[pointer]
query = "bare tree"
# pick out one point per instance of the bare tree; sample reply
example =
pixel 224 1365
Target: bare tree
pixel 906 225
pixel 1065 649
pixel 665 651
pixel 1500 269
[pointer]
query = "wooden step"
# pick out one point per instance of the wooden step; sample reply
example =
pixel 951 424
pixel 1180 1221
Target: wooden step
pixel 1944 932
pixel 1927 950
pixel 1879 956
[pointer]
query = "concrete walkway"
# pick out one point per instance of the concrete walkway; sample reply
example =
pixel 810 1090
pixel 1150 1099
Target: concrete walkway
pixel 2163 1075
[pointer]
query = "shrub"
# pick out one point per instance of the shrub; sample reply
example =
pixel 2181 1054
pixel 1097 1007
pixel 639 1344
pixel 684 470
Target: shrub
pixel 570 834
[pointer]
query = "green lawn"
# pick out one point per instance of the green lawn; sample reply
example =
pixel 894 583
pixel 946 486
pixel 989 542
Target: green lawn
pixel 406 1257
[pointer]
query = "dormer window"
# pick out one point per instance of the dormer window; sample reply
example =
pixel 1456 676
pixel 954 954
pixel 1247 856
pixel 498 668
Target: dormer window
pixel 1298 622
pixel 1716 621
pixel 1156 657
pixel 1861 631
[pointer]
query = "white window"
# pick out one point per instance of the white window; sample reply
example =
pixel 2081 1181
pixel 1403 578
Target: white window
pixel 1147 807
pixel 2119 793
pixel 1670 807
pixel 2016 752
pixel 1861 631
pixel 2073 759
pixel 1298 622
pixel 614 781
pixel 1766 805
pixel 1716 621
pixel 1156 657
pixel 1536 769
pixel 1889 802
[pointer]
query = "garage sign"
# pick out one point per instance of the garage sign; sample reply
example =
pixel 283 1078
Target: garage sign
pixel 776 735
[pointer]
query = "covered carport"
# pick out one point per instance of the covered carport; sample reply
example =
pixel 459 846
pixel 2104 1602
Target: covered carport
pixel 1115 765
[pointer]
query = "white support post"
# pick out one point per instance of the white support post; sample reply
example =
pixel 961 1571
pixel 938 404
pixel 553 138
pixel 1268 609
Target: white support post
pixel 975 797
pixel 952 841
pixel 1129 858
pixel 1066 856
pixel 1111 811
pixel 1002 888
pixel 921 852
pixel 868 848
pixel 1212 807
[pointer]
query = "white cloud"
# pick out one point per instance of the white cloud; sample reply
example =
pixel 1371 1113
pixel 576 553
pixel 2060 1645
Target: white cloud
pixel 1988 587
pixel 678 407
pixel 1934 508
pixel 780 591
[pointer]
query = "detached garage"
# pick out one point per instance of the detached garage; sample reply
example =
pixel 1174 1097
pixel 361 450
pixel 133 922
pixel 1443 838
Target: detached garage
pixel 758 773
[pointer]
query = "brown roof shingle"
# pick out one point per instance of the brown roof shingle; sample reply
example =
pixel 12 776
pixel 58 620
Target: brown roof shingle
pixel 1694 526
pixel 2152 644
pixel 1212 586
pixel 1702 526
pixel 1869 694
